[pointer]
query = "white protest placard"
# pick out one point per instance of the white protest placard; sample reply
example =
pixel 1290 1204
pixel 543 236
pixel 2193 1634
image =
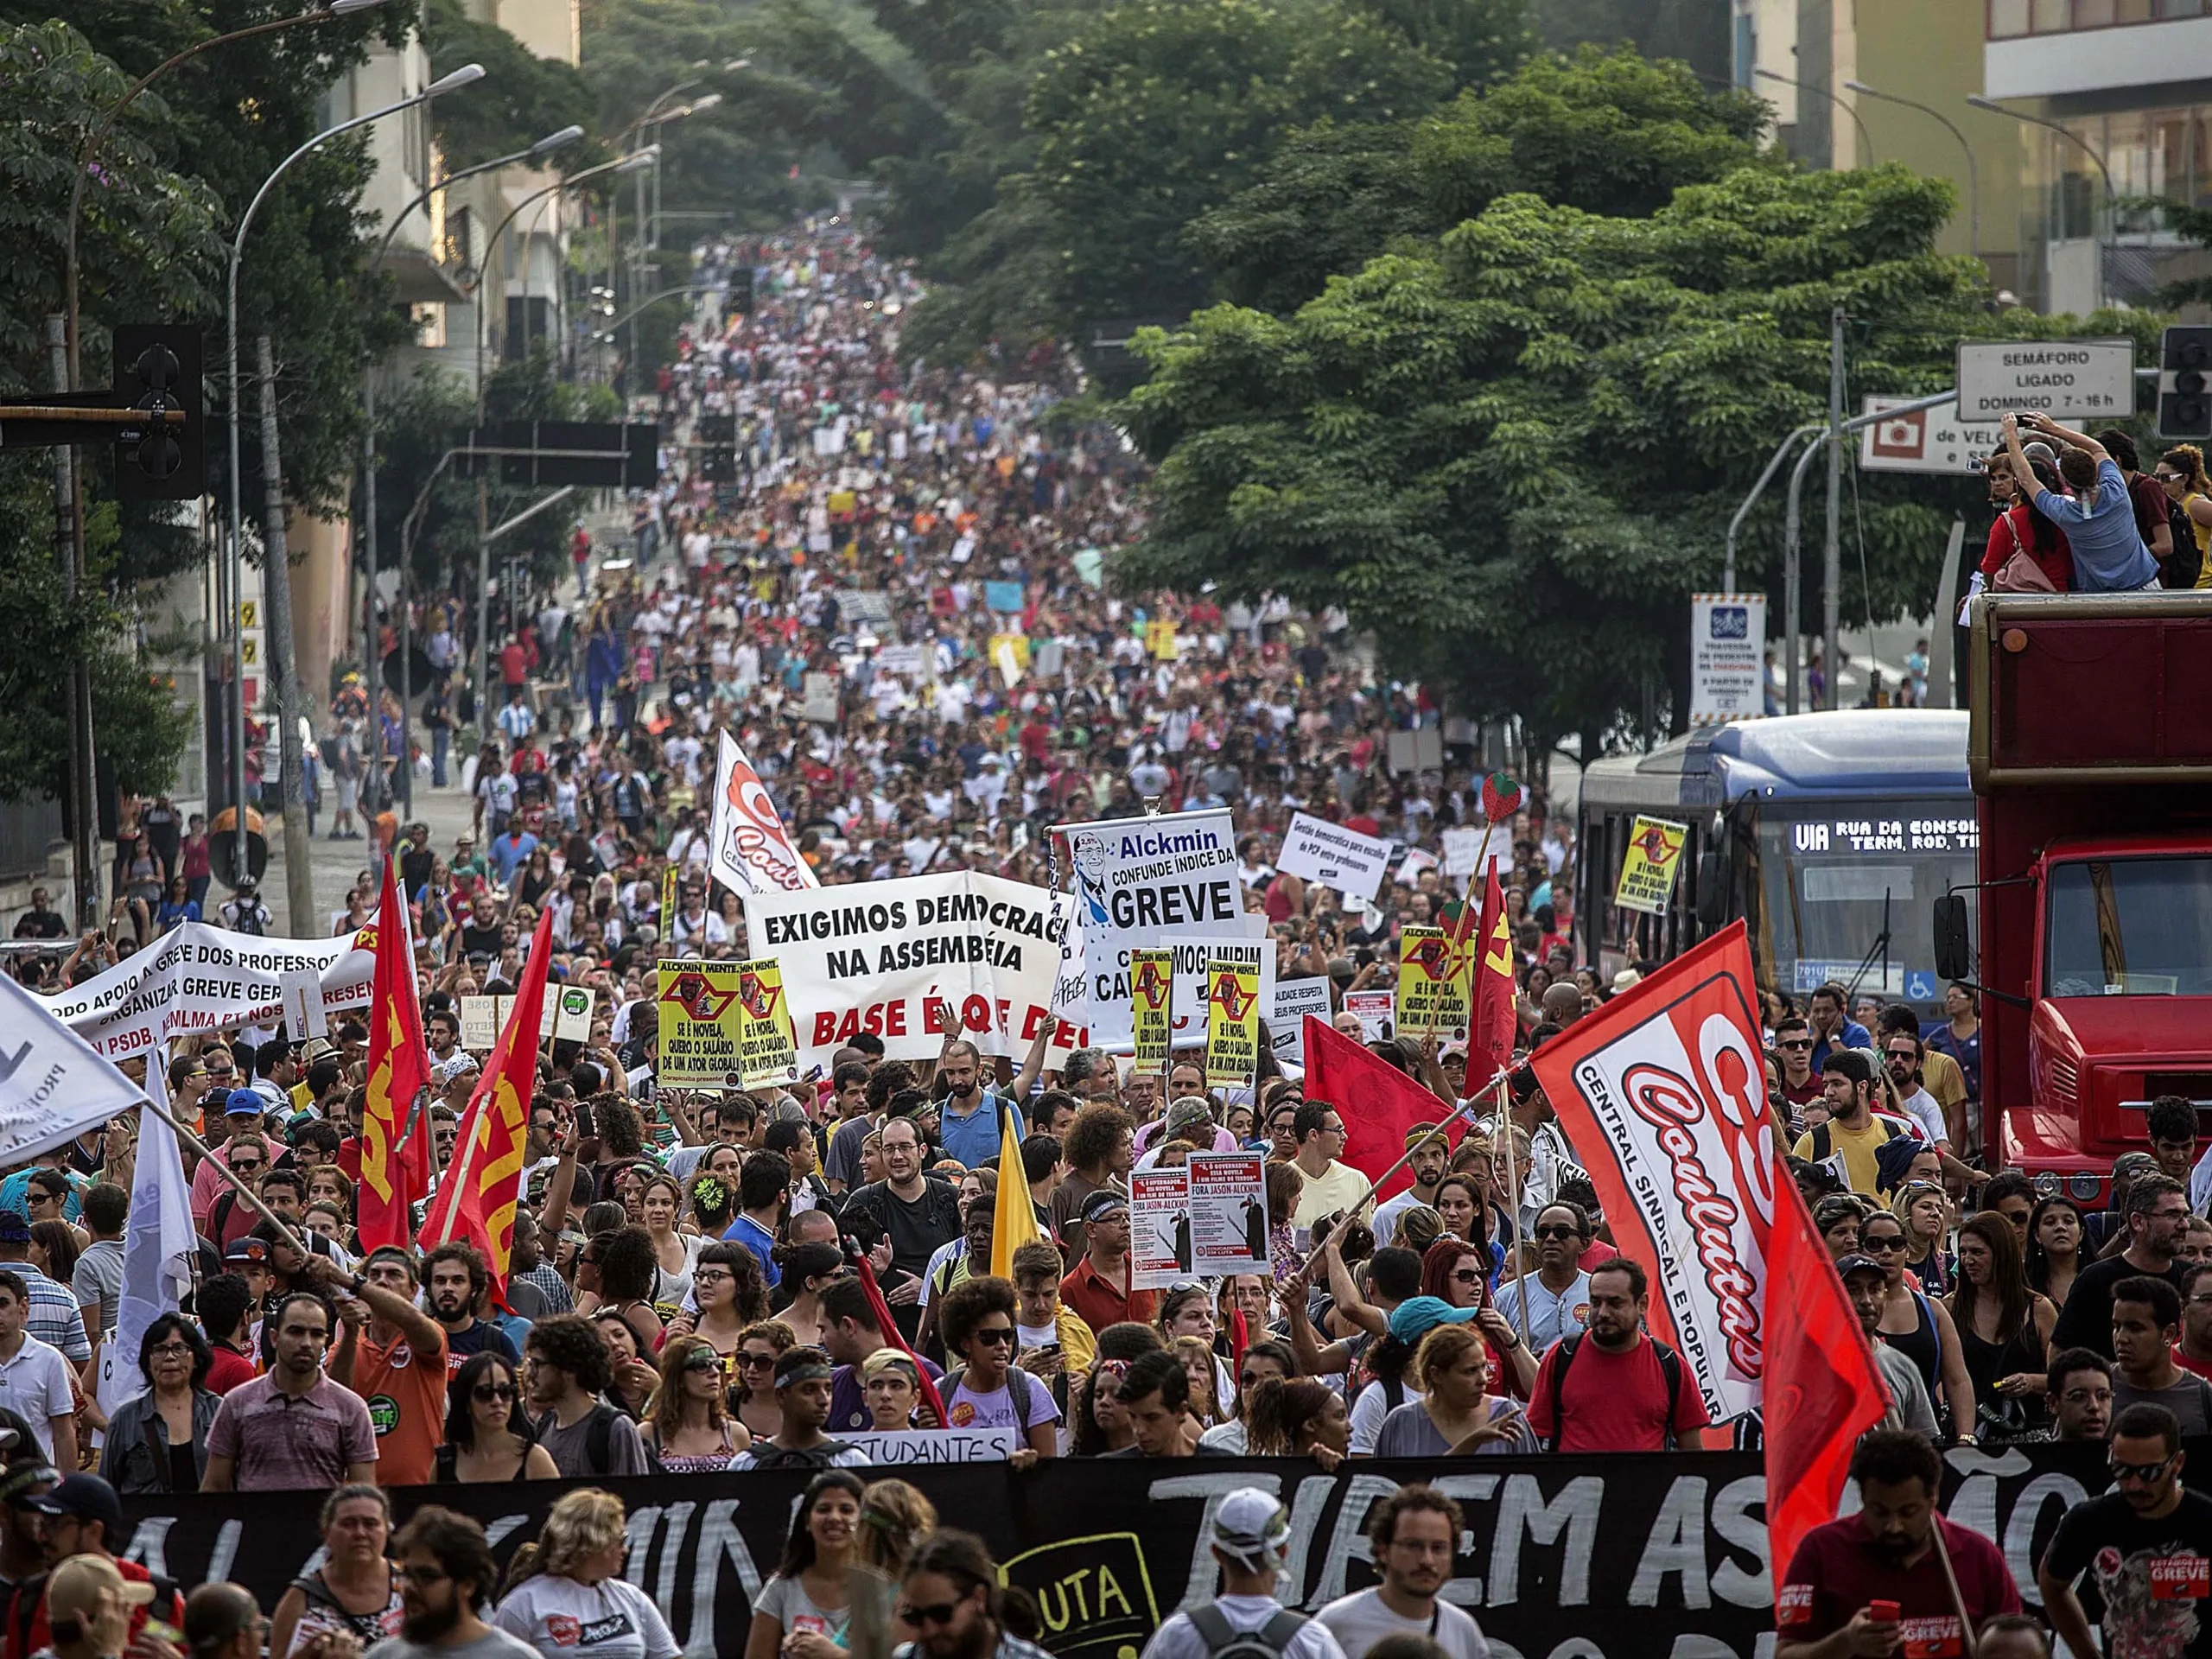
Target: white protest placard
pixel 1415 860
pixel 1294 1000
pixel 572 1020
pixel 884 957
pixel 302 990
pixel 1146 881
pixel 907 662
pixel 199 978
pixel 1229 1214
pixel 921 1445
pixel 1727 657
pixel 2067 379
pixel 1334 856
pixel 1160 1228
pixel 1376 1012
pixel 480 1023
pixel 1462 848
pixel 820 698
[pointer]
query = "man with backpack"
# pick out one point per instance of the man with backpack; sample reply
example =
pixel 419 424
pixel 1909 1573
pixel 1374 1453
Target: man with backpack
pixel 1854 1133
pixel 566 1368
pixel 1610 1388
pixel 803 1391
pixel 1249 1537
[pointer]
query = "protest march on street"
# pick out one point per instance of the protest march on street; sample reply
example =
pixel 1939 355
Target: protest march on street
pixel 909 1055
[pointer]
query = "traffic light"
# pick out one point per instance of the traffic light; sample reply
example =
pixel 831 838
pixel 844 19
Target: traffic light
pixel 157 368
pixel 741 290
pixel 2185 382
pixel 716 435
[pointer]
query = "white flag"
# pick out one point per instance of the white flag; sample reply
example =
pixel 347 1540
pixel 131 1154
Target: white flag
pixel 54 1085
pixel 158 1244
pixel 748 849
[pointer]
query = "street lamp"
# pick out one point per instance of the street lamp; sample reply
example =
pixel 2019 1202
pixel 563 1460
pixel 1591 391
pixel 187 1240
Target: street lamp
pixel 2083 145
pixel 1974 176
pixel 287 732
pixel 636 162
pixel 370 680
pixel 1804 87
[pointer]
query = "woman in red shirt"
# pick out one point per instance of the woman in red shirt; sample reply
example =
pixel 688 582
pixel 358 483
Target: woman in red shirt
pixel 2019 530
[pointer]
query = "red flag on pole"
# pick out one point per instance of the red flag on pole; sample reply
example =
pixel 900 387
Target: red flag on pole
pixel 925 1385
pixel 476 1200
pixel 1379 1104
pixel 1662 1093
pixel 395 1163
pixel 1489 1043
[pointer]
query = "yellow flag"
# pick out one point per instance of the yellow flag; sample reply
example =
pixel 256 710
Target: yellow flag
pixel 1014 1222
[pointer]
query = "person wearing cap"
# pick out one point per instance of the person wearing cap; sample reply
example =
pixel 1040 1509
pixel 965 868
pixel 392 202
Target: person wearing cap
pixel 1415 1535
pixel 1102 1288
pixel 1431 1161
pixel 242 1112
pixel 81 1519
pixel 37 1382
pixel 245 913
pixel 1866 1282
pixel 1248 1536
pixel 89 1609
pixel 803 1389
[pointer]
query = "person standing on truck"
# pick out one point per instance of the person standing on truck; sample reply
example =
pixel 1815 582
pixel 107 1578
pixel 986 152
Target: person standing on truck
pixel 2109 556
pixel 2181 475
pixel 2158 1216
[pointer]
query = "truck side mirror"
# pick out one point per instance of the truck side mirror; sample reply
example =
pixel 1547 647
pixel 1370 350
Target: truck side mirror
pixel 1953 941
pixel 1711 889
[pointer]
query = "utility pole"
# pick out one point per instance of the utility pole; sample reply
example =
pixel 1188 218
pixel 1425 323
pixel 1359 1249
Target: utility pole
pixel 371 794
pixel 69 547
pixel 1831 569
pixel 277 595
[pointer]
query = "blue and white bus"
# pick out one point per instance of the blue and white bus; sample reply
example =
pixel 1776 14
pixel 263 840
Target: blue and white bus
pixel 1823 832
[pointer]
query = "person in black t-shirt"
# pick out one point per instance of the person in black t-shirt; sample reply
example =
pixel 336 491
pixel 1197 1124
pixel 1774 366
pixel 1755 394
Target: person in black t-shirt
pixel 2142 1554
pixel 2157 1220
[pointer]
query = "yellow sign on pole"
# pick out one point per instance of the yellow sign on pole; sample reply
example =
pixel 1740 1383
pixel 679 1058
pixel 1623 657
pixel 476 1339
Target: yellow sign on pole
pixel 725 1021
pixel 1436 984
pixel 668 904
pixel 1152 995
pixel 1232 1021
pixel 1160 639
pixel 767 1050
pixel 1651 866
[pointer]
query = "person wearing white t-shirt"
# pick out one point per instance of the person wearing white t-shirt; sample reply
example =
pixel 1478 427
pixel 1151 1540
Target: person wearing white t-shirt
pixel 1414 1532
pixel 34 1377
pixel 1249 1538
pixel 1329 1186
pixel 576 1605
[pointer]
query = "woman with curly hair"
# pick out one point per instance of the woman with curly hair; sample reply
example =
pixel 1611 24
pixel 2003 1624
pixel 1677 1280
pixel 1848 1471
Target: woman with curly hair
pixel 688 1424
pixel 571 1579
pixel 1298 1417
pixel 628 1279
pixel 759 1345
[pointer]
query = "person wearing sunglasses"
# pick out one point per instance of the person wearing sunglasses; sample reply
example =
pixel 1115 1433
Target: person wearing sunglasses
pixel 447 1577
pixel 2181 475
pixel 987 1389
pixel 488 1436
pixel 390 1353
pixel 2132 1561
pixel 1558 1293
pixel 689 1428
pixel 949 1599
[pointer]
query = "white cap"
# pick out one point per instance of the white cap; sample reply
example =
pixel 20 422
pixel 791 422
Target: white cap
pixel 1251 1528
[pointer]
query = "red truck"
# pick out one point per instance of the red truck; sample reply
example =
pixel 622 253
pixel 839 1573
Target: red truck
pixel 2090 749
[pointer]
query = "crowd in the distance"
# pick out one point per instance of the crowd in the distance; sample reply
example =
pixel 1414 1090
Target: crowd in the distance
pixel 685 1293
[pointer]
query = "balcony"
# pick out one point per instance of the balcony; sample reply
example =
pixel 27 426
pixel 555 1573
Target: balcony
pixel 2047 48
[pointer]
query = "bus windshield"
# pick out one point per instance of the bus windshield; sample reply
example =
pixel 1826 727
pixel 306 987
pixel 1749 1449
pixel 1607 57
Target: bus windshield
pixel 1827 869
pixel 2130 927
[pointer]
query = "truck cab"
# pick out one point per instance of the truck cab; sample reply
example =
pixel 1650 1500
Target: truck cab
pixel 2090 752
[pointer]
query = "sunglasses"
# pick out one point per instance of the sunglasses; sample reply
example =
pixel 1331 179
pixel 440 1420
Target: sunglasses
pixel 938 1614
pixel 999 1336
pixel 1796 1042
pixel 244 1166
pixel 490 1391
pixel 1557 1232
pixel 2142 1471
pixel 1466 1277
pixel 1885 1244
pixel 750 1361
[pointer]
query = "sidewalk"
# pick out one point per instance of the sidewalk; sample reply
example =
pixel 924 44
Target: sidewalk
pixel 337 864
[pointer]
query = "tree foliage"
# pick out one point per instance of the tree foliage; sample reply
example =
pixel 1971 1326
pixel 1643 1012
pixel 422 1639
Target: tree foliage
pixel 521 99
pixel 1511 454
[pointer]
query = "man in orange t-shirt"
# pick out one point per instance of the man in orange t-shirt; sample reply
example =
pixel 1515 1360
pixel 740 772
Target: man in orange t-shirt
pixel 393 1355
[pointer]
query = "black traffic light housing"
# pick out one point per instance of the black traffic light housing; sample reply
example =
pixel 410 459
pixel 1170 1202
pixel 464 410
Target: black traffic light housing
pixel 157 368
pixel 2185 382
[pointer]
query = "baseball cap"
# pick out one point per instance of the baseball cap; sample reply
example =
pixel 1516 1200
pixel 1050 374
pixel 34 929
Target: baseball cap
pixel 1418 1133
pixel 245 1103
pixel 74 1588
pixel 14 1227
pixel 1851 1264
pixel 2134 1163
pixel 1104 1202
pixel 86 1497
pixel 252 1251
pixel 1251 1529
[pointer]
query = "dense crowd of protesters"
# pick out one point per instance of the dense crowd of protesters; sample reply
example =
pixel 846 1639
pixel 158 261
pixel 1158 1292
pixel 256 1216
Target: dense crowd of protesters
pixel 844 592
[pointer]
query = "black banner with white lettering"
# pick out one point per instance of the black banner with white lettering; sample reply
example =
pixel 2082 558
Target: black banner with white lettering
pixel 1581 1556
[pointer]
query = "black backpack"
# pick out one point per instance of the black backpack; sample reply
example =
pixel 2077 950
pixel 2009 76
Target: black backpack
pixel 2180 568
pixel 1224 1641
pixel 766 1454
pixel 1670 1366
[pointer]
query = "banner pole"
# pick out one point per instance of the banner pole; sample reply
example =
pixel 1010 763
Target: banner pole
pixel 1505 1125
pixel 246 1195
pixel 1951 1581
pixel 1465 1108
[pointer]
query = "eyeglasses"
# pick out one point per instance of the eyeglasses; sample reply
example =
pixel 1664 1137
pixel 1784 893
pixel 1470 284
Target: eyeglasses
pixel 939 1613
pixel 490 1391
pixel 170 1350
pixel 2145 1472
pixel 997 1335
pixel 713 1277
pixel 1557 1232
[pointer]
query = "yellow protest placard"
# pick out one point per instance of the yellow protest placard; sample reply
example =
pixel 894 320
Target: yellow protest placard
pixel 1016 643
pixel 1152 995
pixel 1160 639
pixel 701 1022
pixel 1435 984
pixel 1651 865
pixel 1232 1021
pixel 668 901
pixel 768 1052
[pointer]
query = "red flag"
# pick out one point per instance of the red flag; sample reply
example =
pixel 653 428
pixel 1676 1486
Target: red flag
pixel 395 1172
pixel 1822 1388
pixel 1489 1043
pixel 1379 1104
pixel 892 1334
pixel 1662 1093
pixel 476 1200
